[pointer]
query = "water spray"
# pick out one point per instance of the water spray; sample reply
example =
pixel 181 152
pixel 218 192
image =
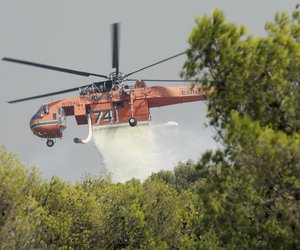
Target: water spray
pixel 90 134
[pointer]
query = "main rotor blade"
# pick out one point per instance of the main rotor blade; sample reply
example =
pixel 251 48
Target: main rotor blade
pixel 115 46
pixel 160 80
pixel 70 71
pixel 44 95
pixel 97 84
pixel 169 58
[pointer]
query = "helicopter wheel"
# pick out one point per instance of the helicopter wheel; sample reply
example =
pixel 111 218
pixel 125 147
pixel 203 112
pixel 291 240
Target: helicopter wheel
pixel 132 122
pixel 50 143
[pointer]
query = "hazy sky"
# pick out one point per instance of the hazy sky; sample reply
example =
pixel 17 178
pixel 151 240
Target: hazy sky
pixel 76 34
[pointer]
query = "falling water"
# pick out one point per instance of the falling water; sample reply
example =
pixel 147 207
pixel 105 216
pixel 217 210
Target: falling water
pixel 127 152
pixel 137 152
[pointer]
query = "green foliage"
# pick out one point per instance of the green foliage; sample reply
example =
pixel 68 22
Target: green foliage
pixel 183 177
pixel 91 214
pixel 245 195
pixel 254 75
pixel 248 194
pixel 20 215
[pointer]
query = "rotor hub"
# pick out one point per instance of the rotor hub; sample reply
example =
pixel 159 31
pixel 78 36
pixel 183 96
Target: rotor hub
pixel 116 78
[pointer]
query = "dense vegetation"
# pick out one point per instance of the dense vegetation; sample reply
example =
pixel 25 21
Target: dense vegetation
pixel 245 195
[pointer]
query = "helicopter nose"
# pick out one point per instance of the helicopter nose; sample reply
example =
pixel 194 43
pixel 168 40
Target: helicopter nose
pixel 45 128
pixel 33 124
pixel 36 126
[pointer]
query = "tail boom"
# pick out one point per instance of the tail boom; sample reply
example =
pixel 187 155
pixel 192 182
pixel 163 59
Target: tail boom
pixel 164 96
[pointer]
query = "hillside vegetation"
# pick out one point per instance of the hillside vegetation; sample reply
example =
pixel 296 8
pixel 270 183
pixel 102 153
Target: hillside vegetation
pixel 245 195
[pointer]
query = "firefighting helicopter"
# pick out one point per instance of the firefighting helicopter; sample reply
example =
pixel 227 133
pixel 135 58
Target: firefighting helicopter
pixel 107 104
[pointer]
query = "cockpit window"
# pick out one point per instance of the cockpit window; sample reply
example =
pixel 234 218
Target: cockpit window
pixel 43 110
pixel 46 109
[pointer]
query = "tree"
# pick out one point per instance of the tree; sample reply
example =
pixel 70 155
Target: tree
pixel 138 216
pixel 258 76
pixel 182 177
pixel 248 196
pixel 20 214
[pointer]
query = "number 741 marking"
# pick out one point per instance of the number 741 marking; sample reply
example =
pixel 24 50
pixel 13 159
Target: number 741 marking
pixel 106 115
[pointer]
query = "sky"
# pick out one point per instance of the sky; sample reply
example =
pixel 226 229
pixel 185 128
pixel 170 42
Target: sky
pixel 76 34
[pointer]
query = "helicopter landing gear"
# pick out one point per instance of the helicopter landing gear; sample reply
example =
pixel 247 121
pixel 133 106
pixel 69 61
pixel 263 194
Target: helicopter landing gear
pixel 50 143
pixel 132 122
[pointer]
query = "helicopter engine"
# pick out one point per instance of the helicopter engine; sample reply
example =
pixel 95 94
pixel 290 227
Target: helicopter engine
pixel 97 87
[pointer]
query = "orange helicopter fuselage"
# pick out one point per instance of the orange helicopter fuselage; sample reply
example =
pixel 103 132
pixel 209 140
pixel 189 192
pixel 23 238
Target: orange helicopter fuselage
pixel 110 109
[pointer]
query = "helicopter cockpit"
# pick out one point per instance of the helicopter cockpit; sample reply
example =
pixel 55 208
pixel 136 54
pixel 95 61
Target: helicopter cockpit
pixel 42 111
pixel 48 122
